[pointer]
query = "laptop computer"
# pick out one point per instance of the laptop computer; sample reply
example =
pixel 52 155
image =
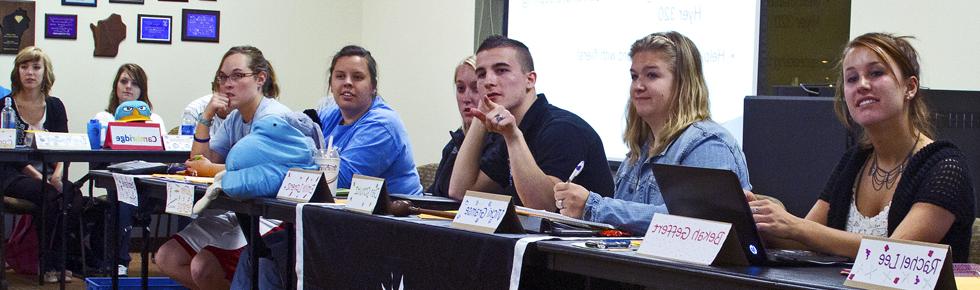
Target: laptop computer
pixel 717 195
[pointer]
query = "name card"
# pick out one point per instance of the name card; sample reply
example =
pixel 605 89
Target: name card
pixel 178 142
pixel 685 239
pixel 180 198
pixel 133 136
pixel 897 264
pixel 126 189
pixel 482 212
pixel 300 185
pixel 61 141
pixel 364 193
pixel 8 138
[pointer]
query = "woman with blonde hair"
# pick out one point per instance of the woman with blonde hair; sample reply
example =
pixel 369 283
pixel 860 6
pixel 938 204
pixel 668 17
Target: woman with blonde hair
pixel 897 182
pixel 467 98
pixel 667 122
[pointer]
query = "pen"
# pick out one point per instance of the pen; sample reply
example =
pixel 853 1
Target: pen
pixel 578 169
pixel 608 244
pixel 197 157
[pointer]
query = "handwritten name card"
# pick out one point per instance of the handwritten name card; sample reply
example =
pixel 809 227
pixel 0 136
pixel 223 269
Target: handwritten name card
pixel 126 189
pixel 61 141
pixel 8 138
pixel 684 239
pixel 364 193
pixel 481 212
pixel 897 264
pixel 180 198
pixel 178 142
pixel 299 185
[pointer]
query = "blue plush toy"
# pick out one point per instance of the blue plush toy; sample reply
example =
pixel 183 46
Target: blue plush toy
pixel 133 111
pixel 257 164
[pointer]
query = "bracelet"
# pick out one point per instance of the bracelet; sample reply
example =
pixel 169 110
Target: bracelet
pixel 205 140
pixel 202 121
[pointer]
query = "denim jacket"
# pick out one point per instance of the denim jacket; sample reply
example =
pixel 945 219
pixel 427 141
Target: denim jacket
pixel 637 195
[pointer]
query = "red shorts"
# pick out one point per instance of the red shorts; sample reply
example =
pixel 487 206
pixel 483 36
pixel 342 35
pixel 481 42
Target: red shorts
pixel 228 259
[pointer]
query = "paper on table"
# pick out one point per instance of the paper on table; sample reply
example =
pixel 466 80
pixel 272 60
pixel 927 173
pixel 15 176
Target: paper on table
pixel 560 218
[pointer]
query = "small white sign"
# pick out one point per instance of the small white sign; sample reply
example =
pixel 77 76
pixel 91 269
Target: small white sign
pixel 895 264
pixel 126 188
pixel 684 239
pixel 364 193
pixel 178 142
pixel 61 141
pixel 481 212
pixel 299 185
pixel 8 138
pixel 180 198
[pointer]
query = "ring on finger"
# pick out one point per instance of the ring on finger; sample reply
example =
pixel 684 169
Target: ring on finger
pixel 560 204
pixel 755 210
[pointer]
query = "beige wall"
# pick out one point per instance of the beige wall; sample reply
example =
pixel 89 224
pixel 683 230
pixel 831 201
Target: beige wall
pixel 946 36
pixel 416 44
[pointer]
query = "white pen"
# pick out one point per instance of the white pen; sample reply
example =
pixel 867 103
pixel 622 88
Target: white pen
pixel 578 169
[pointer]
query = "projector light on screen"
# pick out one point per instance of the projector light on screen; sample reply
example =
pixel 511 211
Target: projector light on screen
pixel 580 53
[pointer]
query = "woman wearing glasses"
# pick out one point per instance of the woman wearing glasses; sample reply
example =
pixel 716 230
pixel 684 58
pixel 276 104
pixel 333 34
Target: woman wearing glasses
pixel 203 255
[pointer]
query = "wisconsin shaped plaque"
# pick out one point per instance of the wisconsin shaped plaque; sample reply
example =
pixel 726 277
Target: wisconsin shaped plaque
pixel 108 34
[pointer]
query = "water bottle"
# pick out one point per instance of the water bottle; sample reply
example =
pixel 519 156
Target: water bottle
pixel 94 133
pixel 187 126
pixel 8 117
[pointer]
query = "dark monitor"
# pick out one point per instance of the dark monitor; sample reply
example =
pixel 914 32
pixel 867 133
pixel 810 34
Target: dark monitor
pixel 956 118
pixel 791 145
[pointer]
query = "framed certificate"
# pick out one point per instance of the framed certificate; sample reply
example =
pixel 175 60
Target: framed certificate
pixel 90 3
pixel 201 25
pixel 127 1
pixel 154 28
pixel 64 26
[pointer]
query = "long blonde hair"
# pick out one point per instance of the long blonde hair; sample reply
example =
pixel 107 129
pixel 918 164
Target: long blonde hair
pixel 689 102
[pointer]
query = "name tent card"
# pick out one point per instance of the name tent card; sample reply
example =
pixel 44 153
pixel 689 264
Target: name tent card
pixel 364 193
pixel 487 213
pixel 61 141
pixel 301 185
pixel 178 142
pixel 898 264
pixel 8 138
pixel 691 240
pixel 126 189
pixel 180 198
pixel 133 136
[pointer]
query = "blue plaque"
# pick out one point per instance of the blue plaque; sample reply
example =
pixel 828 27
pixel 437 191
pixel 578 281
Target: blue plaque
pixel 201 25
pixel 154 28
pixel 63 26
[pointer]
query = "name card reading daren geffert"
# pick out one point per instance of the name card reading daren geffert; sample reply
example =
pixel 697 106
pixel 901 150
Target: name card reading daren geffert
pixel 898 264
pixel 364 193
pixel 481 212
pixel 684 239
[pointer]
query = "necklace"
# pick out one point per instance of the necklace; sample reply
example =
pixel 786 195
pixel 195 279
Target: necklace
pixel 881 178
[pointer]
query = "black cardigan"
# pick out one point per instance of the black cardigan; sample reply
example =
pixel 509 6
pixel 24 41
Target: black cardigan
pixel 937 174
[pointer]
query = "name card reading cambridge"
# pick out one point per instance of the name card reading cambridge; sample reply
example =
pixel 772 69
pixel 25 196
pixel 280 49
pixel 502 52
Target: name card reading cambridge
pixel 481 212
pixel 364 193
pixel 300 185
pixel 178 142
pixel 180 198
pixel 897 264
pixel 133 136
pixel 61 141
pixel 685 239
pixel 126 189
pixel 8 138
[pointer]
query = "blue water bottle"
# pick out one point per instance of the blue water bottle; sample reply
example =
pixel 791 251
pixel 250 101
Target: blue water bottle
pixel 94 132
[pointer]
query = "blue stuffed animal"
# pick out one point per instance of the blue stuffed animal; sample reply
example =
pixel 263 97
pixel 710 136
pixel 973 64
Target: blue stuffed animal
pixel 257 164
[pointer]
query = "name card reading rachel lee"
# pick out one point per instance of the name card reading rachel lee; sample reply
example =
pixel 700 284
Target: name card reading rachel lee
pixel 684 239
pixel 481 212
pixel 8 138
pixel 126 189
pixel 300 185
pixel 178 142
pixel 896 264
pixel 364 193
pixel 61 141
pixel 180 198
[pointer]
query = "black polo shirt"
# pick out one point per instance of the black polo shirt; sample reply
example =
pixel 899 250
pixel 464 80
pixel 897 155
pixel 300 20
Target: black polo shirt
pixel 558 140
pixel 440 185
